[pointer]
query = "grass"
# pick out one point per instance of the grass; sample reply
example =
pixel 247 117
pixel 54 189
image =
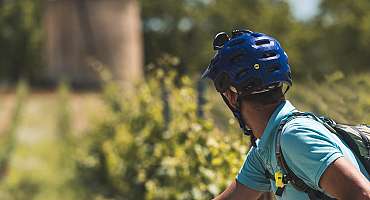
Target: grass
pixel 40 165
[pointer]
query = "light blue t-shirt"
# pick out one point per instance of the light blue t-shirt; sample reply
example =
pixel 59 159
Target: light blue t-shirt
pixel 308 148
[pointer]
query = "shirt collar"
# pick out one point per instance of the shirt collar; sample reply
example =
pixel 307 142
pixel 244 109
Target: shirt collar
pixel 282 110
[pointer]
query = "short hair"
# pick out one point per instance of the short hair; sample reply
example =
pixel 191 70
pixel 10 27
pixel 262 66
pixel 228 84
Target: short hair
pixel 265 98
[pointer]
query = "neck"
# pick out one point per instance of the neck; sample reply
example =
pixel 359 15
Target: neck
pixel 258 117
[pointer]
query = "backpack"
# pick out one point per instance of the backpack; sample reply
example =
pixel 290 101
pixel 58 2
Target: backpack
pixel 357 137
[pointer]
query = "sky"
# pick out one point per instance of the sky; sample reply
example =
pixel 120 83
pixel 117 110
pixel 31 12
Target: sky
pixel 304 9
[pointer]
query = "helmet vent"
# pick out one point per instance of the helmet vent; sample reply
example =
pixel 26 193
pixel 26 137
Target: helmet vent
pixel 274 68
pixel 255 34
pixel 253 83
pixel 268 54
pixel 262 42
pixel 237 32
pixel 236 42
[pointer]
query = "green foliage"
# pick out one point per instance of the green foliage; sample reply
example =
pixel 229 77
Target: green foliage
pixel 8 137
pixel 20 39
pixel 343 98
pixel 64 116
pixel 337 39
pixel 64 129
pixel 131 154
pixel 191 24
pixel 346 38
pixel 25 189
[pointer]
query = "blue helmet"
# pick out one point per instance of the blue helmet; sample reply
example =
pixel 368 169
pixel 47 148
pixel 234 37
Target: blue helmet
pixel 248 63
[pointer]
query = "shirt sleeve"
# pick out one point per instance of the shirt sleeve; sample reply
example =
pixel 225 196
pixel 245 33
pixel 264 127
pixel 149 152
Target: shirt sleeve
pixel 309 148
pixel 252 173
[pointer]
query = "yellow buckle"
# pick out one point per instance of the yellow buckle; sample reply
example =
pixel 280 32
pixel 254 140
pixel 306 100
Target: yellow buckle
pixel 279 179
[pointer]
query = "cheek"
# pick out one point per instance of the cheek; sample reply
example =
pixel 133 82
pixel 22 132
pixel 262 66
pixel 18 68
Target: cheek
pixel 243 109
pixel 243 106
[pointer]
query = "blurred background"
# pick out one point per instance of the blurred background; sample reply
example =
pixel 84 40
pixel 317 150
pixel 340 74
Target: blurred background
pixel 102 99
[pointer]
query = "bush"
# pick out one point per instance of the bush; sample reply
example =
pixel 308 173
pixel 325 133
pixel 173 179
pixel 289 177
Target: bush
pixel 133 154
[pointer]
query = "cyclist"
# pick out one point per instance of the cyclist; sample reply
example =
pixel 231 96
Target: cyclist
pixel 251 72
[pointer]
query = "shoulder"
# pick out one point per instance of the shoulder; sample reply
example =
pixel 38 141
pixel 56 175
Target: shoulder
pixel 309 148
pixel 305 123
pixel 253 156
pixel 303 131
pixel 253 161
pixel 252 173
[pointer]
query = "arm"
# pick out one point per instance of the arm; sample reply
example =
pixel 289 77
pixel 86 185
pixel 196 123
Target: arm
pixel 250 181
pixel 237 191
pixel 343 181
pixel 314 154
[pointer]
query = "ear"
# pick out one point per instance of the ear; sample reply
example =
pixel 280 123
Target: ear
pixel 231 97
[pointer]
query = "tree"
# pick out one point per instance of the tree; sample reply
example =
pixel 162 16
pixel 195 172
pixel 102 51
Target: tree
pixel 20 40
pixel 108 31
pixel 345 34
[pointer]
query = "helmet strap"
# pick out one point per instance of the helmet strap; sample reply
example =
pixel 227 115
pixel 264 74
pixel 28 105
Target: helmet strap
pixel 237 114
pixel 286 90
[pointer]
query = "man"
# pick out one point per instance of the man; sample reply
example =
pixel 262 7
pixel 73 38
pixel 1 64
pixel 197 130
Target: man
pixel 250 70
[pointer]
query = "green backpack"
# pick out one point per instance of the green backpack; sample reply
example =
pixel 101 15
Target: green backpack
pixel 357 137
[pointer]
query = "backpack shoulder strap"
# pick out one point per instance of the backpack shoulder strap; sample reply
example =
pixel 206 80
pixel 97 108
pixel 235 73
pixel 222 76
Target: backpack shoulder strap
pixel 365 139
pixel 363 132
pixel 290 177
